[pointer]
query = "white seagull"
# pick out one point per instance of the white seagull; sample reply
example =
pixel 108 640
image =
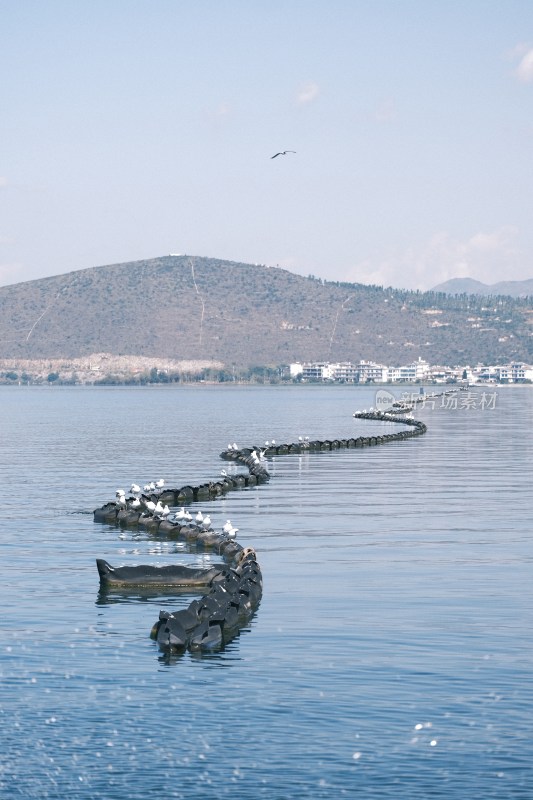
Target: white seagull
pixel 232 533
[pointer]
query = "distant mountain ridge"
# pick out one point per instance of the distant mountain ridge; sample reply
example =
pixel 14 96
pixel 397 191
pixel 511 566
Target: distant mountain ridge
pixel 471 286
pixel 185 307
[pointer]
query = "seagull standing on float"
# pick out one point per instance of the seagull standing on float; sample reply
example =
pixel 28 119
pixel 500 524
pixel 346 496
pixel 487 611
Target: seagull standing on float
pixel 232 533
pixel 158 508
pixel 150 507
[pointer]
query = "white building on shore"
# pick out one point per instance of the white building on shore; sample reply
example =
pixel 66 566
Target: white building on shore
pixel 515 372
pixel 417 372
pixel 364 372
pixel 370 372
pixel 343 372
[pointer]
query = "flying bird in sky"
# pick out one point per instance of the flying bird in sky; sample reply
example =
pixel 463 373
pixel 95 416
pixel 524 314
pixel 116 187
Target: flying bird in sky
pixel 282 153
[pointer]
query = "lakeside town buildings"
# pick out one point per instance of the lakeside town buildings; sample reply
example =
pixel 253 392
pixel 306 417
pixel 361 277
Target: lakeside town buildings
pixel 416 372
pixel 105 368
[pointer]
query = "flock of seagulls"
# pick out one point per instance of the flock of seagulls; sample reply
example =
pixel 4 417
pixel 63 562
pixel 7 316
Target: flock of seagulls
pixel 139 501
pixel 157 509
pixel 258 458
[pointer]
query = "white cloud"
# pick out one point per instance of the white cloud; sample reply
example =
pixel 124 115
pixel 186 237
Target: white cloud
pixel 517 51
pixel 486 256
pixel 502 239
pixel 524 71
pixel 307 93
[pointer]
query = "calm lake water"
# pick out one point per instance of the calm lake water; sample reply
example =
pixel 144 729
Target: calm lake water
pixel 391 656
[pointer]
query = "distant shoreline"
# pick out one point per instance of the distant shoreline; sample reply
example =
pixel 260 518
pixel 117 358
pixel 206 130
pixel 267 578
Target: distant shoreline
pixel 415 387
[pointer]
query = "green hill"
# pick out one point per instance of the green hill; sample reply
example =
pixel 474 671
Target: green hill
pixel 184 307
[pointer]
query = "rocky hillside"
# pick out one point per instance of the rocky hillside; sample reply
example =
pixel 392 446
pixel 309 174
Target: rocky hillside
pixel 182 307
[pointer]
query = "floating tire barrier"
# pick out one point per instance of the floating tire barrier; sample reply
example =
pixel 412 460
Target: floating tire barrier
pixel 233 588
pixel 146 576
pixel 212 621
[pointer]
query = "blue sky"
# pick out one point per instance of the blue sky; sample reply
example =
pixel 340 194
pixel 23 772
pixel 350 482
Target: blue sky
pixel 137 128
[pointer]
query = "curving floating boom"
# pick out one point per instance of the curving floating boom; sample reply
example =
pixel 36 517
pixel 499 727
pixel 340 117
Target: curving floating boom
pixel 233 587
